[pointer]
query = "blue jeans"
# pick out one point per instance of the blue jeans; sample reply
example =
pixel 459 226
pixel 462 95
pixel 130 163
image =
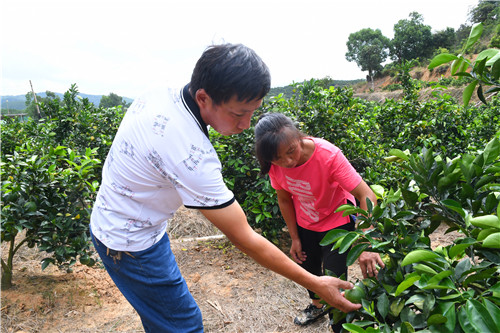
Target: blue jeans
pixel 151 281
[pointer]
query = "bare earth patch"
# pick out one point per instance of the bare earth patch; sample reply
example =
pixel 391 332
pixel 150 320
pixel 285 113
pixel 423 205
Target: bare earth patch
pixel 234 293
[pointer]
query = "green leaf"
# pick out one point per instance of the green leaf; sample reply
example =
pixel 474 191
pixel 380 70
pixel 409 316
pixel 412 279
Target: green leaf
pixel 383 305
pixel 455 206
pixel 418 300
pixel 399 153
pixel 492 241
pixel 479 276
pixel 355 253
pixel 475 34
pixel 378 190
pixel 458 249
pixel 492 151
pixel 486 221
pixel 468 91
pixel 410 197
pixel 419 255
pixel 406 327
pixel 421 268
pixel 485 233
pixel 353 328
pixel 436 319
pixel 46 262
pixel 438 277
pixel 332 236
pixel 407 283
pixel 480 94
pixel 496 287
pixel 456 65
pixel 480 318
pixel 494 310
pixel 350 210
pixel 396 306
pixel 495 67
pixel 441 59
pixel 447 309
pixel 347 242
pixel 479 67
pixel 465 321
pixel 487 54
pixel 462 267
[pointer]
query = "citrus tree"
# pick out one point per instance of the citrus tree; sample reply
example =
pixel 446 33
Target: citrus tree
pixel 453 288
pixel 50 171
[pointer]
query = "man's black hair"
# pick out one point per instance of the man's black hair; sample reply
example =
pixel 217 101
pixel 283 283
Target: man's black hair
pixel 228 70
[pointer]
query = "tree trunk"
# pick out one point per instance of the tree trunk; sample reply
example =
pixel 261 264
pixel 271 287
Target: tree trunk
pixel 7 267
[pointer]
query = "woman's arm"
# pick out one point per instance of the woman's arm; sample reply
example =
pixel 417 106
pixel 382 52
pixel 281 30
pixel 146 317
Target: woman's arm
pixel 287 209
pixel 368 261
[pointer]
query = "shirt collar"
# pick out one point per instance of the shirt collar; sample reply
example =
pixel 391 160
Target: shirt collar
pixel 193 108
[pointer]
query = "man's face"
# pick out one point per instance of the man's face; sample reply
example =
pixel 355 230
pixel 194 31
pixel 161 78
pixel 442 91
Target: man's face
pixel 231 117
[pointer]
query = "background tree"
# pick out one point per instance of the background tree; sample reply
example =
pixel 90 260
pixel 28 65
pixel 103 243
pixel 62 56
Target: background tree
pixel 462 34
pixel 485 12
pixel 412 39
pixel 444 38
pixel 112 100
pixel 369 49
pixel 31 108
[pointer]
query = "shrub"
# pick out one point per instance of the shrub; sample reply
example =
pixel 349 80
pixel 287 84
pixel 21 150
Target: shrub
pixel 51 168
pixel 444 289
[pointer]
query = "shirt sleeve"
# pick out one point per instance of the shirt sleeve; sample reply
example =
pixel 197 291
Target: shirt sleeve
pixel 273 177
pixel 343 172
pixel 201 184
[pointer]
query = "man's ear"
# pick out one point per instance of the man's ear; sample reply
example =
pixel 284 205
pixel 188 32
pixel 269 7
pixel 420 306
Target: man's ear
pixel 202 98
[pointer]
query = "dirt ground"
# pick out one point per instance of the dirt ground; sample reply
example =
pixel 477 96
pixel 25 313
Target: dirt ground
pixel 234 293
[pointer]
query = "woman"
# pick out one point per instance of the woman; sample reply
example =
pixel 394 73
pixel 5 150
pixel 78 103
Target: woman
pixel 312 178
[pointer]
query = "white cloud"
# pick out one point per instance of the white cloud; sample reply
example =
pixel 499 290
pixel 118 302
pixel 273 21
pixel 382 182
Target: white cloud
pixel 123 46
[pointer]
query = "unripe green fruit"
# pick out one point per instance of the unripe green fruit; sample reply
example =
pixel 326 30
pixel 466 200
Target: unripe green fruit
pixel 355 295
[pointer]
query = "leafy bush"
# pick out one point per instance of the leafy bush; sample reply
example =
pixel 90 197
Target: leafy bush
pixel 364 131
pixel 51 168
pixel 46 192
pixel 445 289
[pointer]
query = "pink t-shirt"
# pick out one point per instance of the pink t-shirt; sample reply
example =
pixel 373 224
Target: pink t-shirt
pixel 319 186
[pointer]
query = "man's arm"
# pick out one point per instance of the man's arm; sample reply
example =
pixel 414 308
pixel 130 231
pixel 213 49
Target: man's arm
pixel 232 222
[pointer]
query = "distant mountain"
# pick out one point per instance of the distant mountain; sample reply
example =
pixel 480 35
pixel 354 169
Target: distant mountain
pixel 18 102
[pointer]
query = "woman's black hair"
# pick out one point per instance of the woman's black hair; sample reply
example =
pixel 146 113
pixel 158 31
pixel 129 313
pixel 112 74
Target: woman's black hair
pixel 228 70
pixel 269 134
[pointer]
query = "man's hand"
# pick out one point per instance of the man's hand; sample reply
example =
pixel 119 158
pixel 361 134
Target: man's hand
pixel 368 262
pixel 331 294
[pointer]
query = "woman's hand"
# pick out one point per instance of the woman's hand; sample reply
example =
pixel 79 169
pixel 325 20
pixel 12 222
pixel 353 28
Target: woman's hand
pixel 296 252
pixel 368 262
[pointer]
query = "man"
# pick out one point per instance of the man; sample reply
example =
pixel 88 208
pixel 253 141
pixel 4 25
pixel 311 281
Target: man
pixel 161 158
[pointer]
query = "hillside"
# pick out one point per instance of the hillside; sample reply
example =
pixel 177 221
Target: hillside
pixel 378 94
pixel 18 102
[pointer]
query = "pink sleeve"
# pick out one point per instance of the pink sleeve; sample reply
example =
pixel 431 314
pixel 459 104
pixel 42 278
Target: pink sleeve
pixel 273 178
pixel 343 172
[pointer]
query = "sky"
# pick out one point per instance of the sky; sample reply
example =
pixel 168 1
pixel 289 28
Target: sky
pixel 126 46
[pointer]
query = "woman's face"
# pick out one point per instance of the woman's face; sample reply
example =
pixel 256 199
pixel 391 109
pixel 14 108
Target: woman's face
pixel 289 153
